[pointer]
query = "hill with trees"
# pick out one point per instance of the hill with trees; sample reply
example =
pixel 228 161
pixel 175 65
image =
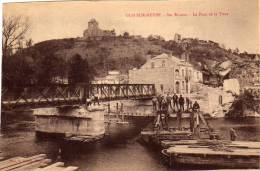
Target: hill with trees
pixel 43 61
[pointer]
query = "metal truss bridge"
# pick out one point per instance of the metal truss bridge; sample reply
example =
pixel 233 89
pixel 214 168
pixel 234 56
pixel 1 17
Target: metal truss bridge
pixel 54 95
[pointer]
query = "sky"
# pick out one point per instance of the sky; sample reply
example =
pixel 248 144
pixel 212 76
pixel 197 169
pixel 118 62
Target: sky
pixel 238 27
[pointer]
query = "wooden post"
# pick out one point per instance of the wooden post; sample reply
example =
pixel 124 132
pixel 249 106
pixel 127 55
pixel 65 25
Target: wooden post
pixel 122 112
pixel 85 89
pixel 108 111
pixel 108 107
pixel 117 110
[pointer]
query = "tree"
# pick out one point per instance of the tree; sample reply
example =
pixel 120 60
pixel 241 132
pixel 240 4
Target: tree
pixel 79 71
pixel 126 34
pixel 45 69
pixel 14 31
pixel 28 43
pixel 236 51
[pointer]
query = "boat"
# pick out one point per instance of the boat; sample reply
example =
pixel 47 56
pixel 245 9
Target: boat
pixel 214 154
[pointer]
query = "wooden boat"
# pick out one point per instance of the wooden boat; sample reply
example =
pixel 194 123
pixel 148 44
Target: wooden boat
pixel 155 137
pixel 213 154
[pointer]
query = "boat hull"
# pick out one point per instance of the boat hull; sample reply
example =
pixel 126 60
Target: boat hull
pixel 215 162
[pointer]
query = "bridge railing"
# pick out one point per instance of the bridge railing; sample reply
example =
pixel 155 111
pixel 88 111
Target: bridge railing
pixel 121 91
pixel 40 95
pixel 35 96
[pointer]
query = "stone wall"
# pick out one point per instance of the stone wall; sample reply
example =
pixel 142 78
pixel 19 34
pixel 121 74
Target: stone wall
pixel 75 121
pixel 214 101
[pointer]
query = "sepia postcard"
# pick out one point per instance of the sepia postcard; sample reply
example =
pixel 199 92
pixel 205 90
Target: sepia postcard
pixel 130 85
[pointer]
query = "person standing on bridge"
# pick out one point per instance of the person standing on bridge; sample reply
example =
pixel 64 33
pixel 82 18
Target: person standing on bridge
pixel 192 121
pixel 164 112
pixel 154 101
pixel 196 107
pixel 188 103
pixel 159 99
pixel 233 134
pixel 181 103
pixel 168 100
pixel 179 119
pixel 175 101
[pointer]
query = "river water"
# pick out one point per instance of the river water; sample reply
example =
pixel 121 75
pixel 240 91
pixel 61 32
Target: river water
pixel 17 138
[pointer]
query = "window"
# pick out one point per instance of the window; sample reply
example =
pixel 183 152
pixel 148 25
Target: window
pixel 163 63
pixel 190 73
pixel 161 87
pixel 220 100
pixel 177 87
pixel 182 71
pixel 187 88
pixel 183 86
pixel 152 65
pixel 177 72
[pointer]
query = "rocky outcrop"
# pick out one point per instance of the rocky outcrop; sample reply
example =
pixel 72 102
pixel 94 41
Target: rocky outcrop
pixel 213 101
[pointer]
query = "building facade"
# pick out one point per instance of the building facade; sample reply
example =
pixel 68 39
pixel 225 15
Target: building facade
pixel 168 73
pixel 95 33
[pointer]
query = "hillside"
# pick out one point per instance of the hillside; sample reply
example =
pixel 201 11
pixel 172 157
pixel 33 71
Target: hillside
pixel 117 53
pixel 124 53
pixel 50 59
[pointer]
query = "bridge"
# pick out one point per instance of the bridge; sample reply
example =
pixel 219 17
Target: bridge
pixel 54 95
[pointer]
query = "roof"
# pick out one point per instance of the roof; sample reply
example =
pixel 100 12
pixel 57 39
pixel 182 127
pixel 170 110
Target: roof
pixel 224 72
pixel 162 56
pixel 92 20
pixel 226 64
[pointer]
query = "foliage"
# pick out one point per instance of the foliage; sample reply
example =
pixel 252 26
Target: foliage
pixel 79 71
pixel 243 102
pixel 41 62
pixel 126 34
pixel 14 31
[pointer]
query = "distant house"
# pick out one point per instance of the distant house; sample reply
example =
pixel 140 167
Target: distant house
pixel 187 40
pixel 168 73
pixel 113 77
pixel 202 42
pixel 60 80
pixel 212 43
pixel 249 76
pixel 93 32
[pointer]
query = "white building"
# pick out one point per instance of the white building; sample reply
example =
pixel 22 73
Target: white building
pixel 168 73
pixel 113 77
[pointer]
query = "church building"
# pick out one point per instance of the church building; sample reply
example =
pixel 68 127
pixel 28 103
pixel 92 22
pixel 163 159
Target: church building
pixel 93 31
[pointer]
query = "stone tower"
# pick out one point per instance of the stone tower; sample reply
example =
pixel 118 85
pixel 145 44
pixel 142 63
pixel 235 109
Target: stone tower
pixel 93 24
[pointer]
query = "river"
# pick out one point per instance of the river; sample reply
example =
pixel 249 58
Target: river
pixel 17 138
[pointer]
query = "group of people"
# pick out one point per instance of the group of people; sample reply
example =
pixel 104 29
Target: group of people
pixel 175 102
pixel 162 105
